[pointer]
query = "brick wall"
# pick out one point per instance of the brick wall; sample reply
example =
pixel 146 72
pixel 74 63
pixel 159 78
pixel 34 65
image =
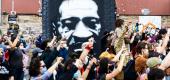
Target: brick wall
pixel 28 24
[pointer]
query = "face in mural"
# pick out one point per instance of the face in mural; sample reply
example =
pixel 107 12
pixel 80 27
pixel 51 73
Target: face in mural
pixel 79 21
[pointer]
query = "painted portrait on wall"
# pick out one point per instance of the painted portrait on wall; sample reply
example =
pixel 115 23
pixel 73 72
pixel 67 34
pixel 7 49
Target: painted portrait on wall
pixel 77 21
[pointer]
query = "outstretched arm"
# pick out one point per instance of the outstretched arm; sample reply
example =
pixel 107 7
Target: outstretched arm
pixel 87 47
pixel 117 70
pixel 166 62
pixel 52 41
pixel 88 68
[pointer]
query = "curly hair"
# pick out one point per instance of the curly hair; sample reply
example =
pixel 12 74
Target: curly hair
pixel 34 69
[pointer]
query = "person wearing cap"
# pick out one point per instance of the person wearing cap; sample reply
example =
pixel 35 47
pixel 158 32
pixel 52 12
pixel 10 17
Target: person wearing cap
pixel 37 52
pixel 153 62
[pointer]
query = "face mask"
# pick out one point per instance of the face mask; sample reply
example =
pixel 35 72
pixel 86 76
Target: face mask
pixel 39 54
pixel 43 70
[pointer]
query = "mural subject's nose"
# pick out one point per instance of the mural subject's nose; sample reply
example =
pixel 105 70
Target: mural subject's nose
pixel 82 30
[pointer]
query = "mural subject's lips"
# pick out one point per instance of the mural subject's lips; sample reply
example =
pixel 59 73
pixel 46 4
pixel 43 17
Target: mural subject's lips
pixel 75 43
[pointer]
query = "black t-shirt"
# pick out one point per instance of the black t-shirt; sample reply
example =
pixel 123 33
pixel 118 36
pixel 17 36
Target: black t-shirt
pixel 15 58
pixel 68 74
pixel 4 71
pixel 48 56
pixel 129 71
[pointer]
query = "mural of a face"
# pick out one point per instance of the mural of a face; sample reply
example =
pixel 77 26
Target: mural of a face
pixel 79 21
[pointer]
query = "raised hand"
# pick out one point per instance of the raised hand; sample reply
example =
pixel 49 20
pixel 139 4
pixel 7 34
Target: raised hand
pixel 59 59
pixel 93 60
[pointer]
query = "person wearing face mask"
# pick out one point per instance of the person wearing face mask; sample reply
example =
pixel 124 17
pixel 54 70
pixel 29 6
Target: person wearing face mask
pixel 15 57
pixel 38 70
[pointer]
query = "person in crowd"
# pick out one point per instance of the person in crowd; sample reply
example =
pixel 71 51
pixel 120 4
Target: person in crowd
pixel 140 68
pixel 109 53
pixel 15 57
pixel 104 73
pixel 5 72
pixel 154 62
pixel 63 49
pixel 120 31
pixel 167 71
pixel 162 40
pixel 38 70
pixel 49 54
pixel 74 69
pixel 156 74
pixel 140 60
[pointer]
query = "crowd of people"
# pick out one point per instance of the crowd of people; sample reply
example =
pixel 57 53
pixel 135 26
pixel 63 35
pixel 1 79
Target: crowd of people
pixel 126 54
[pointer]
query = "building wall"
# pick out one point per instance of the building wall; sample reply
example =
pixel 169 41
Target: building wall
pixel 134 7
pixel 21 6
pixel 127 7
pixel 29 24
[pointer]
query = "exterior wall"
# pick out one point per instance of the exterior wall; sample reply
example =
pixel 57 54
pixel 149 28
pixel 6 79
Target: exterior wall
pixel 127 7
pixel 134 7
pixel 29 24
pixel 21 6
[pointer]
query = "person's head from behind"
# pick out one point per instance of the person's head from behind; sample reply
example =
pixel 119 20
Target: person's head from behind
pixel 162 33
pixel 140 64
pixel 34 69
pixel 119 22
pixel 154 62
pixel 103 65
pixel 156 74
pixel 44 44
pixel 78 22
